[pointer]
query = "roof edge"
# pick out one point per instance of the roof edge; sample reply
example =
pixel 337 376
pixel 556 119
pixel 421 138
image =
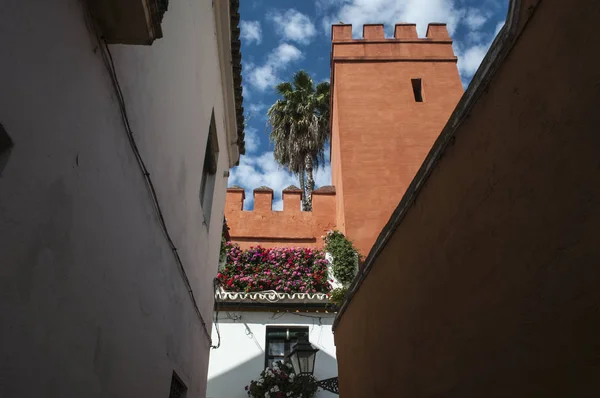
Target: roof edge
pixel 236 67
pixel 263 188
pixel 325 190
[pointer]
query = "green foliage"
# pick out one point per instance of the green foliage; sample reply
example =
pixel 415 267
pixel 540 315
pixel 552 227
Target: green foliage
pixel 223 254
pixel 281 382
pixel 338 295
pixel 345 256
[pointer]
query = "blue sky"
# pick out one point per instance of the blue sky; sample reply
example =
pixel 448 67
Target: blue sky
pixel 280 37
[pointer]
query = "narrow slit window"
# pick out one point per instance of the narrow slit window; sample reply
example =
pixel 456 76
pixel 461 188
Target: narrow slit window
pixel 6 145
pixel 417 89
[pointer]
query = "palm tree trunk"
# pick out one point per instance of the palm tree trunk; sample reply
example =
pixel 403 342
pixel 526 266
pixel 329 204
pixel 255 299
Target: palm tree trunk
pixel 303 189
pixel 310 182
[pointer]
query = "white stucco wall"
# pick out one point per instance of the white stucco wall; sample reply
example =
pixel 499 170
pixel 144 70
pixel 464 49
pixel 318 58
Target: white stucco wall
pixel 241 356
pixel 93 304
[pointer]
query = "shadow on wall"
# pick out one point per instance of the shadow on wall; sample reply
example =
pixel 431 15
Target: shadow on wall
pixel 325 368
pixel 231 383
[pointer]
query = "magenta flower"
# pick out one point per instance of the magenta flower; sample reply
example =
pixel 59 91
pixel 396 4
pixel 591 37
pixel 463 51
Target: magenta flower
pixel 282 269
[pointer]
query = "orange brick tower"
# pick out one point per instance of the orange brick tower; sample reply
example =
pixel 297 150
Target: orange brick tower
pixel 390 100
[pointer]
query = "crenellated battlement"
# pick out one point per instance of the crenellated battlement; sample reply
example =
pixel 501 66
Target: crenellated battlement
pixel 404 46
pixel 402 31
pixel 292 196
pixel 288 227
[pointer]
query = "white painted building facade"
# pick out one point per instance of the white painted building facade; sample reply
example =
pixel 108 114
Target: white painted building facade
pixel 94 301
pixel 245 347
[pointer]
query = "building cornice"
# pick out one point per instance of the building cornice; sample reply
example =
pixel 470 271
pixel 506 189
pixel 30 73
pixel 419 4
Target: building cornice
pixel 273 301
pixel 391 41
pixel 271 296
pixel 396 59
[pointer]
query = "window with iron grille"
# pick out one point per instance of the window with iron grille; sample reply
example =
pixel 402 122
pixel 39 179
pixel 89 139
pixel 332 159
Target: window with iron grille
pixel 280 342
pixel 6 145
pixel 178 389
pixel 209 170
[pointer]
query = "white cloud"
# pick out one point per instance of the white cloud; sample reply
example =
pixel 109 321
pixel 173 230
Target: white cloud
pixel 474 19
pixel 284 54
pixel 293 25
pixel 256 107
pixel 256 110
pixel 246 92
pixel 476 36
pixel 498 27
pixel 277 205
pixel 323 176
pixel 256 171
pixel 262 77
pixel 470 58
pixel 389 12
pixel 250 31
pixel 252 139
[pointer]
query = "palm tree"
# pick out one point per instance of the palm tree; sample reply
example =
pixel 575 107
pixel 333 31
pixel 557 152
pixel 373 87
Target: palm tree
pixel 300 128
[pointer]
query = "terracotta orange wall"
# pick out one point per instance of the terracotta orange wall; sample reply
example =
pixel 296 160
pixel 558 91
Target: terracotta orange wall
pixel 380 135
pixel 288 228
pixel 336 167
pixel 489 286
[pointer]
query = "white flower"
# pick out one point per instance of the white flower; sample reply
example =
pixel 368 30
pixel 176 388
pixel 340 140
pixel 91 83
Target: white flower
pixel 289 394
pixel 267 394
pixel 275 389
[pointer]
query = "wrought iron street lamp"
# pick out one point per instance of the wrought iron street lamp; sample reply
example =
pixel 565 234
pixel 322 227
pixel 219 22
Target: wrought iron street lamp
pixel 303 358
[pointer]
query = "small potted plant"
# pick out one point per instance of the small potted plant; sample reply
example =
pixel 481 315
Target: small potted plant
pixel 280 381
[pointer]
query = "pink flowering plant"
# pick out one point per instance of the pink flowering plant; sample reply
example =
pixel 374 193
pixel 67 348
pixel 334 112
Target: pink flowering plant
pixel 284 270
pixel 280 381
